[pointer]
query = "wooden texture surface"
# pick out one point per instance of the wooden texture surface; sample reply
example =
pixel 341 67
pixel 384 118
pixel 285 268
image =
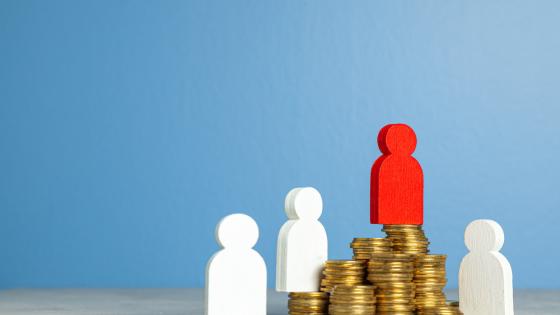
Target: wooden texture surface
pixel 397 181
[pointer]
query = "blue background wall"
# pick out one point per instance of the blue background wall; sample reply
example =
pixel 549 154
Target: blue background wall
pixel 129 128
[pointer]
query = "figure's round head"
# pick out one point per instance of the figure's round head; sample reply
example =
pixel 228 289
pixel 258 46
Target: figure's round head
pixel 484 235
pixel 397 139
pixel 304 203
pixel 237 231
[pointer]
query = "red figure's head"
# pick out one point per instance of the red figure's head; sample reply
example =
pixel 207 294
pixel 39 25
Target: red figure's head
pixel 397 139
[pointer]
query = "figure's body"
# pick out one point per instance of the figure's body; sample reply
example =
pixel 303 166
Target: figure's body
pixel 236 275
pixel 302 243
pixel 485 276
pixel 397 181
pixel 305 256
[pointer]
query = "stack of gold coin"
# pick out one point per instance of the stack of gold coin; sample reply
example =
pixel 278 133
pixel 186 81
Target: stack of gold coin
pixel 449 309
pixel 429 278
pixel 392 274
pixel 308 303
pixel 407 238
pixel 343 272
pixel 359 299
pixel 364 247
pixel 454 305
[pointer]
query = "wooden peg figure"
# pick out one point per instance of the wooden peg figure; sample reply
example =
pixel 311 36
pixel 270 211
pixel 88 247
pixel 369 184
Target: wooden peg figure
pixel 302 243
pixel 397 181
pixel 236 275
pixel 485 276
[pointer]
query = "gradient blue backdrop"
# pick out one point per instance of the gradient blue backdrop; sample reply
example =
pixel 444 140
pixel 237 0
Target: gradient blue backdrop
pixel 129 128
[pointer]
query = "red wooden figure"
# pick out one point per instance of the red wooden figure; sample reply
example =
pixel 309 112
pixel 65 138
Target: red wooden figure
pixel 397 181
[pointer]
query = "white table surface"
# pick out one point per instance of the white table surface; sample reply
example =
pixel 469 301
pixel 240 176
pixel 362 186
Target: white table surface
pixel 186 301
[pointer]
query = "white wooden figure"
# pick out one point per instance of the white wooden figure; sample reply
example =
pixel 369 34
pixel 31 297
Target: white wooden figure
pixel 485 276
pixel 302 247
pixel 236 275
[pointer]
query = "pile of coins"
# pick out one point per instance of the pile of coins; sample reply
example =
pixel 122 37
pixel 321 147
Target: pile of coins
pixel 404 279
pixel 407 238
pixel 364 247
pixel 343 272
pixel 358 299
pixel 308 303
pixel 392 275
pixel 429 278
pixel 451 308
